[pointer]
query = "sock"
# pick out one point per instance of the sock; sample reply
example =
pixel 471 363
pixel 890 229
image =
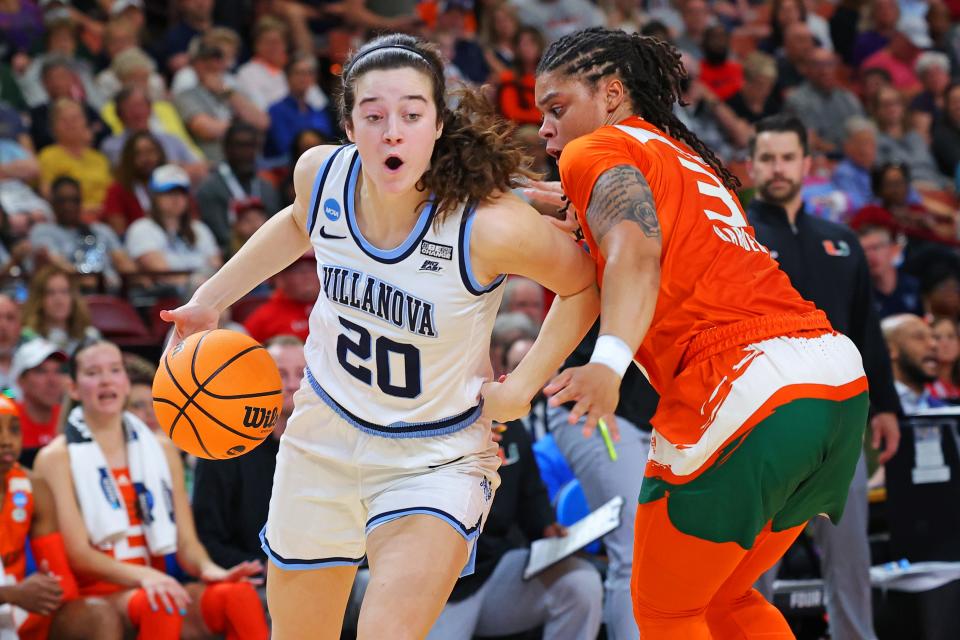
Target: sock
pixel 234 610
pixel 150 624
pixel 50 548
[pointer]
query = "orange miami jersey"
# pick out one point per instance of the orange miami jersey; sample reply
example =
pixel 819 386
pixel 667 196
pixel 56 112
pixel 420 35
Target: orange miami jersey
pixel 713 271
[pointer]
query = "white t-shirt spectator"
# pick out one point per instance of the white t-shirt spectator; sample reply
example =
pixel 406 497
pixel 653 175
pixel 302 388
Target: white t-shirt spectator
pixel 145 235
pixel 557 18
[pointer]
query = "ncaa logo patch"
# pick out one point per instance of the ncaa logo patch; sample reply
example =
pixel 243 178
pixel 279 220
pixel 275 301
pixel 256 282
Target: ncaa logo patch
pixel 331 209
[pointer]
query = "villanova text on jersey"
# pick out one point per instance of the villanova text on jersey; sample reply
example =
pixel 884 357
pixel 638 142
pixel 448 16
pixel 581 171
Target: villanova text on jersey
pixel 355 289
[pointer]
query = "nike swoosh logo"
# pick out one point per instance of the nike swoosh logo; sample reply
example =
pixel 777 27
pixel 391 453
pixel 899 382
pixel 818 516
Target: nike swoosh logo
pixel 328 236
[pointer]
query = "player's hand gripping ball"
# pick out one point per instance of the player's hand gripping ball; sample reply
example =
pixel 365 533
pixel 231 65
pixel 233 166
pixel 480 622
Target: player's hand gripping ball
pixel 217 394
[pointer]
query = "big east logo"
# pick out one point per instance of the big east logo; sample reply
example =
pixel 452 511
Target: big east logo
pixel 260 418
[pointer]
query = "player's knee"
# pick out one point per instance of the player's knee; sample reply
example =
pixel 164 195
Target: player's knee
pixel 87 618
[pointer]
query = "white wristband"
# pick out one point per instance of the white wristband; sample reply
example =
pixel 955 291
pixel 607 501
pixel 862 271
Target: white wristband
pixel 613 352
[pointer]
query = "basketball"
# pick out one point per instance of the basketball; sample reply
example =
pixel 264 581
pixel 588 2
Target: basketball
pixel 217 394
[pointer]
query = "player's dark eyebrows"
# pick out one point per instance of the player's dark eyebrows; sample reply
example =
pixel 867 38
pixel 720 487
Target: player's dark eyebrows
pixel 415 96
pixel 550 95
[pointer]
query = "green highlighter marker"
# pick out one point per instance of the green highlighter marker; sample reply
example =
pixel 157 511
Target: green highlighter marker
pixel 605 434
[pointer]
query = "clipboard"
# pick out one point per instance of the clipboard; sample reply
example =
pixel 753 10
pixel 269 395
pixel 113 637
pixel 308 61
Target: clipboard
pixel 547 552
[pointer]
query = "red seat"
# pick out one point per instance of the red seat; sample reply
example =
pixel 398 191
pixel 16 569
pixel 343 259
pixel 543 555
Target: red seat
pixel 118 321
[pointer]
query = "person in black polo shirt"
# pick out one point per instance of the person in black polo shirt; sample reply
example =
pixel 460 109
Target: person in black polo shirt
pixel 827 266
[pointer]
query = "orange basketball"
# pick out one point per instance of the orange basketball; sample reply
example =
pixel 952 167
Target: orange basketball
pixel 217 394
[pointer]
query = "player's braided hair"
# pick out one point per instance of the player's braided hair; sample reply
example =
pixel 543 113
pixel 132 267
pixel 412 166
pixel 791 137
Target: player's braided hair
pixel 650 69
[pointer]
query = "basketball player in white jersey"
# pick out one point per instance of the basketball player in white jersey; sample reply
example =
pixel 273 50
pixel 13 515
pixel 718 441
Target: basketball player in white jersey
pixel 386 454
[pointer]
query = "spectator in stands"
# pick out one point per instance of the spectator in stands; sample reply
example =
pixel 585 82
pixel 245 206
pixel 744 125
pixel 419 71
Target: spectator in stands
pixel 798 45
pixel 557 18
pixel 933 69
pixel 899 58
pixel 942 33
pixel 73 155
pixel 757 99
pixel 883 17
pixel 721 74
pixel 128 198
pixel 169 239
pixel 898 144
pixel 130 65
pixel 822 104
pixel 871 82
pixel 249 215
pixel 60 81
pixel 626 15
pixel 209 108
pixel 234 179
pixel 516 97
pixel 55 310
pixel 891 185
pixel 21 28
pixel 18 169
pixel 940 291
pixel 946 132
pixel 16 254
pixel 231 497
pixel 221 601
pixel 565 599
pixel 196 17
pixel 135 113
pixel 507 329
pixel 522 295
pixel 262 76
pixel 947 385
pixel 304 107
pixel 913 351
pixel 88 249
pixel 498 35
pixel 306 139
pixel 710 119
pixel 37 369
pixel 852 174
pixel 226 40
pixel 696 18
pixel 287 310
pixel 9 338
pixel 140 401
pixel 893 292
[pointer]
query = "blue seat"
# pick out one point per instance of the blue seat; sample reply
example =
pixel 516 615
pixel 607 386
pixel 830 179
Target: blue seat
pixel 572 507
pixel 554 470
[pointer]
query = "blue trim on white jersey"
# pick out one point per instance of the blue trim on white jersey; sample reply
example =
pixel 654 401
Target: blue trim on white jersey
pixel 297 564
pixel 399 429
pixel 470 534
pixel 466 269
pixel 318 188
pixel 388 256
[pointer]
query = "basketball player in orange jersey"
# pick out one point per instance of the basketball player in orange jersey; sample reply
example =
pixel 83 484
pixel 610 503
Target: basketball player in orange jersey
pixel 44 603
pixel 763 405
pixel 123 456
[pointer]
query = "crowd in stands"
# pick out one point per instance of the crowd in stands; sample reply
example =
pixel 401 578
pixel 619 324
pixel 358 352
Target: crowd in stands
pixel 142 143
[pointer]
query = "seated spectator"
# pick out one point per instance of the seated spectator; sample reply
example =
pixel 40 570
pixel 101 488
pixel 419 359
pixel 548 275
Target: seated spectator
pixel 710 119
pixel 169 239
pixel 933 69
pixel 507 329
pixel 18 169
pixel 55 310
pixel 304 107
pixel 119 35
pixel 757 99
pixel 249 215
pixel 226 41
pixel 557 18
pixel 10 327
pixel 37 369
pixel 721 74
pixel 943 32
pixel 262 76
pixel 822 104
pixel 899 58
pixel 883 17
pixel 45 603
pixel 798 44
pixel 625 15
pixel 891 185
pixel 287 311
pixel 522 295
pixel 852 174
pixel 21 28
pixel 516 99
pixel 696 18
pixel 140 401
pixel 131 574
pixel 946 133
pixel 947 385
pixel 9 89
pixel 196 17
pixel 302 142
pixel 783 14
pixel 72 155
pixel 16 255
pixel 88 249
pixel 897 144
pixel 128 198
pixel 871 82
pixel 913 354
pixel 467 54
pixel 60 81
pixel 940 291
pixel 565 599
pixel 135 113
pixel 234 179
pixel 209 108
pixel 499 25
pixel 893 292
pixel 656 29
pixel 231 497
pixel 131 65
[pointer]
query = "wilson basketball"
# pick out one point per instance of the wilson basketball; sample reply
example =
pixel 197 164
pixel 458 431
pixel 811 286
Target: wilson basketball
pixel 217 394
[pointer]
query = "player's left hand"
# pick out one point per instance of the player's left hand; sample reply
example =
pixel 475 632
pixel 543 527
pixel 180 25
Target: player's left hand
pixel 595 389
pixel 503 401
pixel 243 572
pixel 886 431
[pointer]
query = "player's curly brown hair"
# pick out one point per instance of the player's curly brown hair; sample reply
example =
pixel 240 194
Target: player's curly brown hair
pixel 476 156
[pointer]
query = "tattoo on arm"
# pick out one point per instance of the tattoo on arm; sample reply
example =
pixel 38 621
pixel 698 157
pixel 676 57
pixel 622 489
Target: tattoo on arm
pixel 622 193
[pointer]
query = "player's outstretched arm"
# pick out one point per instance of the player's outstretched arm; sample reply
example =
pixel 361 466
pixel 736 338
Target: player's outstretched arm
pixel 623 221
pixel 274 246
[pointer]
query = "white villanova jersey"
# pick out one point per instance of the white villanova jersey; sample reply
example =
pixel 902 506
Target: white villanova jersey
pixel 399 340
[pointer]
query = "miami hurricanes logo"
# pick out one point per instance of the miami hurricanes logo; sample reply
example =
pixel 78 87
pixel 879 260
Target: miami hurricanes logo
pixel 839 249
